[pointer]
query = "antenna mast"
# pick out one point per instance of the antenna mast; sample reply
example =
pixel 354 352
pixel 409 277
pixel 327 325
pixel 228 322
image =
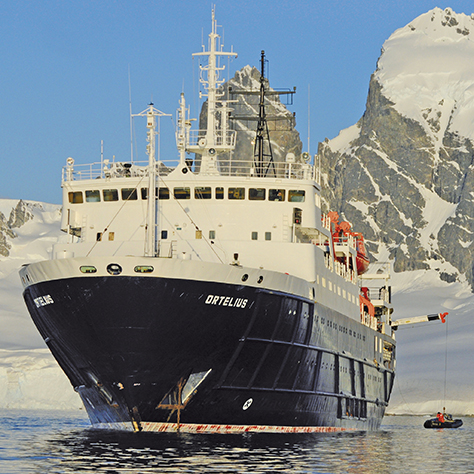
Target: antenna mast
pixel 216 138
pixel 151 227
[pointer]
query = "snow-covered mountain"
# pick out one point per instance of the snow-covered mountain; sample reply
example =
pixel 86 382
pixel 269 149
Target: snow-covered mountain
pixel 403 175
pixel 29 376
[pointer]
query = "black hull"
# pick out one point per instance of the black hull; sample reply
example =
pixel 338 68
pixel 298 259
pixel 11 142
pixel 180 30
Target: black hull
pixel 263 358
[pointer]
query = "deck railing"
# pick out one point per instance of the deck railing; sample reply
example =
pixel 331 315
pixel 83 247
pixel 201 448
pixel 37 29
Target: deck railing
pixel 225 167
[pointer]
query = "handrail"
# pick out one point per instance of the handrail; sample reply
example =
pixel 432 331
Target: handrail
pixel 225 165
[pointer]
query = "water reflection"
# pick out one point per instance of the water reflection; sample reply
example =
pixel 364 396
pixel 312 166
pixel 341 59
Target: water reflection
pixel 403 445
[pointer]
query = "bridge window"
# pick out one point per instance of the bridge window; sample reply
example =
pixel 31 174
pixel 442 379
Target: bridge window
pixel 163 193
pixel 76 197
pixel 257 194
pixel 202 192
pixel 236 193
pixel 296 195
pixel 144 193
pixel 182 193
pixel 219 193
pixel 93 196
pixel 276 194
pixel 110 194
pixel 129 194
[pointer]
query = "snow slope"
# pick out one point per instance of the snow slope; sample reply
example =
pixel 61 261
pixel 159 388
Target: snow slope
pixel 419 66
pixel 29 376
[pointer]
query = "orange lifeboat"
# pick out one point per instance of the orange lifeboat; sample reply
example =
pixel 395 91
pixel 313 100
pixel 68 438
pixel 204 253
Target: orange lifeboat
pixel 340 231
pixel 362 260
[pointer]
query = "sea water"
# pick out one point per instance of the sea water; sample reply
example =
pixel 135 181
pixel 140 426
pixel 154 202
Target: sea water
pixel 64 442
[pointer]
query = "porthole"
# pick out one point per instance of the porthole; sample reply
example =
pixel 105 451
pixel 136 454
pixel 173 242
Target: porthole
pixel 88 269
pixel 245 277
pixel 114 269
pixel 143 269
pixel 260 279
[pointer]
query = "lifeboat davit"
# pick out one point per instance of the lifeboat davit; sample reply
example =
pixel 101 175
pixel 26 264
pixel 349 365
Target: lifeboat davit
pixel 341 231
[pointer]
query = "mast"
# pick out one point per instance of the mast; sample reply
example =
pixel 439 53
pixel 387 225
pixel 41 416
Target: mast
pixel 216 138
pixel 151 221
pixel 262 133
pixel 263 154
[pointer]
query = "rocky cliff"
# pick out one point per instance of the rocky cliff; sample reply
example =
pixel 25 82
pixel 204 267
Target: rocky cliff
pixel 19 215
pixel 403 175
pixel 281 122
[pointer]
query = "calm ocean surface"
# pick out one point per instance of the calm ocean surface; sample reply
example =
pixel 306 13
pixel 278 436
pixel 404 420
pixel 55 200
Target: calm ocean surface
pixel 63 442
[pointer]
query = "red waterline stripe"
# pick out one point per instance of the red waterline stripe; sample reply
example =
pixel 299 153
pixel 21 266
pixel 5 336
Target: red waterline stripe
pixel 192 428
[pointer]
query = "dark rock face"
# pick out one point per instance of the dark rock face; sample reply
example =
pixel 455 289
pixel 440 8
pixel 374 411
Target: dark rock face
pixel 382 180
pixel 5 232
pixel 19 215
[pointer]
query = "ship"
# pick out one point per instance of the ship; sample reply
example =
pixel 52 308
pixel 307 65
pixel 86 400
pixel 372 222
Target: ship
pixel 207 294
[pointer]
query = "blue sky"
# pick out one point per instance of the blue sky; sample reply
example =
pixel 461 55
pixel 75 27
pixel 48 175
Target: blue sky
pixel 64 71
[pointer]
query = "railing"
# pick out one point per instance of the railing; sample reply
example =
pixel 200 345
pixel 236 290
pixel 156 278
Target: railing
pixel 221 138
pixel 379 295
pixel 226 167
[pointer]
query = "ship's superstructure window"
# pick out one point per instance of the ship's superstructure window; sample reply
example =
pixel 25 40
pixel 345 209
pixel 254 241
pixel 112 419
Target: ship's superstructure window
pixel 257 194
pixel 164 234
pixel 182 193
pixel 111 235
pixel 202 192
pixel 212 234
pixel 236 193
pixel 163 193
pixel 143 269
pixel 296 195
pixel 76 197
pixel 129 194
pixel 93 196
pixel 276 194
pixel 110 194
pixel 99 236
pixel 254 235
pixel 198 234
pixel 268 236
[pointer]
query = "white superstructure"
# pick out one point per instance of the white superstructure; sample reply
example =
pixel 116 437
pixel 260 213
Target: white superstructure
pixel 209 207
